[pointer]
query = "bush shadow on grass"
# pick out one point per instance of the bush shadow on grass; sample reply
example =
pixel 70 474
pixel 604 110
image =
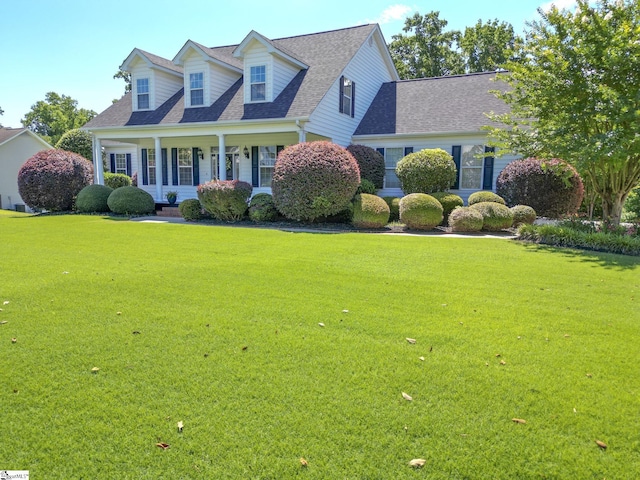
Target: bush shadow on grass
pixel 601 259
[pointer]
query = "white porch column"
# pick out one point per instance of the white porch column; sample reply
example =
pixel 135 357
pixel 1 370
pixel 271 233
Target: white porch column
pixel 158 147
pixel 302 135
pixel 98 172
pixel 222 158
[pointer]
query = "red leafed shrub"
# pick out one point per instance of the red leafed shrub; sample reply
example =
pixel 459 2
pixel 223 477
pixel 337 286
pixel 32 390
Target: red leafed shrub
pixel 370 162
pixel 315 179
pixel 226 200
pixel 51 179
pixel 551 187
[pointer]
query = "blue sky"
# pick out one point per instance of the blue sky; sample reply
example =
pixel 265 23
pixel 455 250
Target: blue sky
pixel 73 47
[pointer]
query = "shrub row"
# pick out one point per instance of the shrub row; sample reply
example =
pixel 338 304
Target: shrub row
pixel 123 200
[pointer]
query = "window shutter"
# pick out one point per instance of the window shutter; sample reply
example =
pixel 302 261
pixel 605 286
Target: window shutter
pixel 456 152
pixel 255 172
pixel 487 181
pixel 113 162
pixel 165 167
pixel 353 99
pixel 145 167
pixel 408 150
pixel 341 94
pixel 128 164
pixel 279 148
pixel 380 151
pixel 196 166
pixel 174 165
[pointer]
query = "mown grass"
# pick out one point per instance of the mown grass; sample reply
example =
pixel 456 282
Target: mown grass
pixel 229 343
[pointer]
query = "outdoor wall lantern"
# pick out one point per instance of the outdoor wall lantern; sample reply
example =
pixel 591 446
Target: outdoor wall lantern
pixel 246 152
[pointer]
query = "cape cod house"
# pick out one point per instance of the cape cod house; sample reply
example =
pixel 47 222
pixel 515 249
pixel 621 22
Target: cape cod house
pixel 225 112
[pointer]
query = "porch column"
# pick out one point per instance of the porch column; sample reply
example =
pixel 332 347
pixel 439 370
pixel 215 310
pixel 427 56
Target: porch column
pixel 302 135
pixel 97 162
pixel 158 147
pixel 222 158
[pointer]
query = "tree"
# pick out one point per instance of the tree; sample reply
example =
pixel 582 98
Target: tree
pixel 576 95
pixel 56 115
pixel 126 76
pixel 487 47
pixel 77 141
pixel 429 51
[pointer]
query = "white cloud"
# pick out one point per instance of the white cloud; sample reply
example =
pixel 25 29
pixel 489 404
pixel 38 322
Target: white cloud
pixel 392 13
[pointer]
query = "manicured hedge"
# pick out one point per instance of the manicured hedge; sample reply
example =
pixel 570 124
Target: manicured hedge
pixel 420 211
pixel 426 171
pixel 495 216
pixel 449 202
pixel 190 209
pixel 465 219
pixel 93 198
pixel 369 211
pixel 131 201
pixel 262 208
pixel 226 200
pixel 371 164
pixel 485 196
pixel 394 208
pixel 523 214
pixel 116 180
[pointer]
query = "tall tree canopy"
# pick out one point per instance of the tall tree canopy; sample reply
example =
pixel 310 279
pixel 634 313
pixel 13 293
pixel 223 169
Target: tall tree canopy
pixel 56 114
pixel 486 47
pixel 126 76
pixel 576 95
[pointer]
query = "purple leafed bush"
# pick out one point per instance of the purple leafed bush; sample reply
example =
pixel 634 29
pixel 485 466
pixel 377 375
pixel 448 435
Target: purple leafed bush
pixel 370 162
pixel 551 187
pixel 51 179
pixel 226 200
pixel 313 180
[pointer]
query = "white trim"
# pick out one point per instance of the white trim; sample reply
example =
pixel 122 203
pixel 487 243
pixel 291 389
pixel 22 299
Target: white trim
pixel 179 58
pixel 28 132
pixel 138 53
pixel 238 52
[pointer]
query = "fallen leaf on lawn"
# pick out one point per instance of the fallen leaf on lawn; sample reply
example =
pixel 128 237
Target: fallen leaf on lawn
pixel 519 420
pixel 502 362
pixel 431 348
pixel 162 445
pixel 411 340
pixel 407 397
pixel 95 370
pixel 3 322
pixel 65 273
pixel 345 311
pixel 14 340
pixel 244 348
pixel 6 302
pixel 574 410
pixel 417 462
pixel 118 313
pixel 303 462
pixel 498 355
pixel 589 375
pixel 180 426
pixel 422 358
pixel 567 336
pixel 486 364
pixel 602 445
pixel 321 324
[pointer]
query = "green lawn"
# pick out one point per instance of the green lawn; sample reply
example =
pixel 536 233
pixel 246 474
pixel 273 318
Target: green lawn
pixel 230 344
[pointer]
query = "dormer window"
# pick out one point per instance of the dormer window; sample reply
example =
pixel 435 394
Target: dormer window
pixel 196 88
pixel 258 83
pixel 347 96
pixel 142 91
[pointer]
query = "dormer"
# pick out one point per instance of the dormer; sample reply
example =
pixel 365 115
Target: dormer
pixel 268 69
pixel 153 79
pixel 208 73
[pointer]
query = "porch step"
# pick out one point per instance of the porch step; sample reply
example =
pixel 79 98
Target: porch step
pixel 168 211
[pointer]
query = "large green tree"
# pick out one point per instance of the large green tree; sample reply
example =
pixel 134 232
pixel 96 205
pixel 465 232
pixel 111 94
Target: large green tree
pixel 56 114
pixel 486 47
pixel 77 141
pixel 126 76
pixel 576 95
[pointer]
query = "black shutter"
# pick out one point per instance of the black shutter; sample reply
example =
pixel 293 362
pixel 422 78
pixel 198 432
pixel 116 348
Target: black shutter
pixel 380 150
pixel 341 94
pixel 487 181
pixel 255 172
pixel 279 148
pixel 113 162
pixel 408 150
pixel 165 167
pixel 196 166
pixel 456 151
pixel 353 99
pixel 174 165
pixel 128 164
pixel 145 167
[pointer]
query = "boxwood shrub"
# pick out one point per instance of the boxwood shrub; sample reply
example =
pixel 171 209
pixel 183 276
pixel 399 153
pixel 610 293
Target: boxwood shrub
pixel 116 180
pixel 523 214
pixel 369 211
pixel 465 219
pixel 371 164
pixel 495 216
pixel 93 198
pixel 190 209
pixel 485 196
pixel 51 179
pixel 367 187
pixel 420 211
pixel 262 208
pixel 131 201
pixel 426 171
pixel 449 201
pixel 394 208
pixel 314 180
pixel 226 200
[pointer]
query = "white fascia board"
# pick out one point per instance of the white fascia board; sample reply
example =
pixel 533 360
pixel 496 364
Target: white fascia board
pixel 137 53
pixel 386 56
pixel 178 59
pixel 253 35
pixel 28 132
pixel 392 136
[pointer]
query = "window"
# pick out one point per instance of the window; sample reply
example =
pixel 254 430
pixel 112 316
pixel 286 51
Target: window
pixel 258 83
pixel 185 166
pixel 346 96
pixel 121 163
pixel 151 166
pixel 391 158
pixel 196 86
pixel 142 90
pixel 471 162
pixel 266 162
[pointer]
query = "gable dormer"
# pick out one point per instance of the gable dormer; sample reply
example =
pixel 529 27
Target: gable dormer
pixel 208 73
pixel 153 79
pixel 268 69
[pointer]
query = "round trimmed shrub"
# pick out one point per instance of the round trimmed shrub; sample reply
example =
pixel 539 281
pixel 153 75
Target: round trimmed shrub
pixel 226 200
pixel 394 208
pixel 371 164
pixel 131 201
pixel 367 187
pixel 77 141
pixel 495 216
pixel 116 180
pixel 465 219
pixel 262 209
pixel 485 196
pixel 523 214
pixel 93 198
pixel 449 202
pixel 426 171
pixel 552 188
pixel 369 211
pixel 190 209
pixel 420 211
pixel 51 179
pixel 313 180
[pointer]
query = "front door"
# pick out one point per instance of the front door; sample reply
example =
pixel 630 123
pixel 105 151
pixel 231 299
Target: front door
pixel 232 162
